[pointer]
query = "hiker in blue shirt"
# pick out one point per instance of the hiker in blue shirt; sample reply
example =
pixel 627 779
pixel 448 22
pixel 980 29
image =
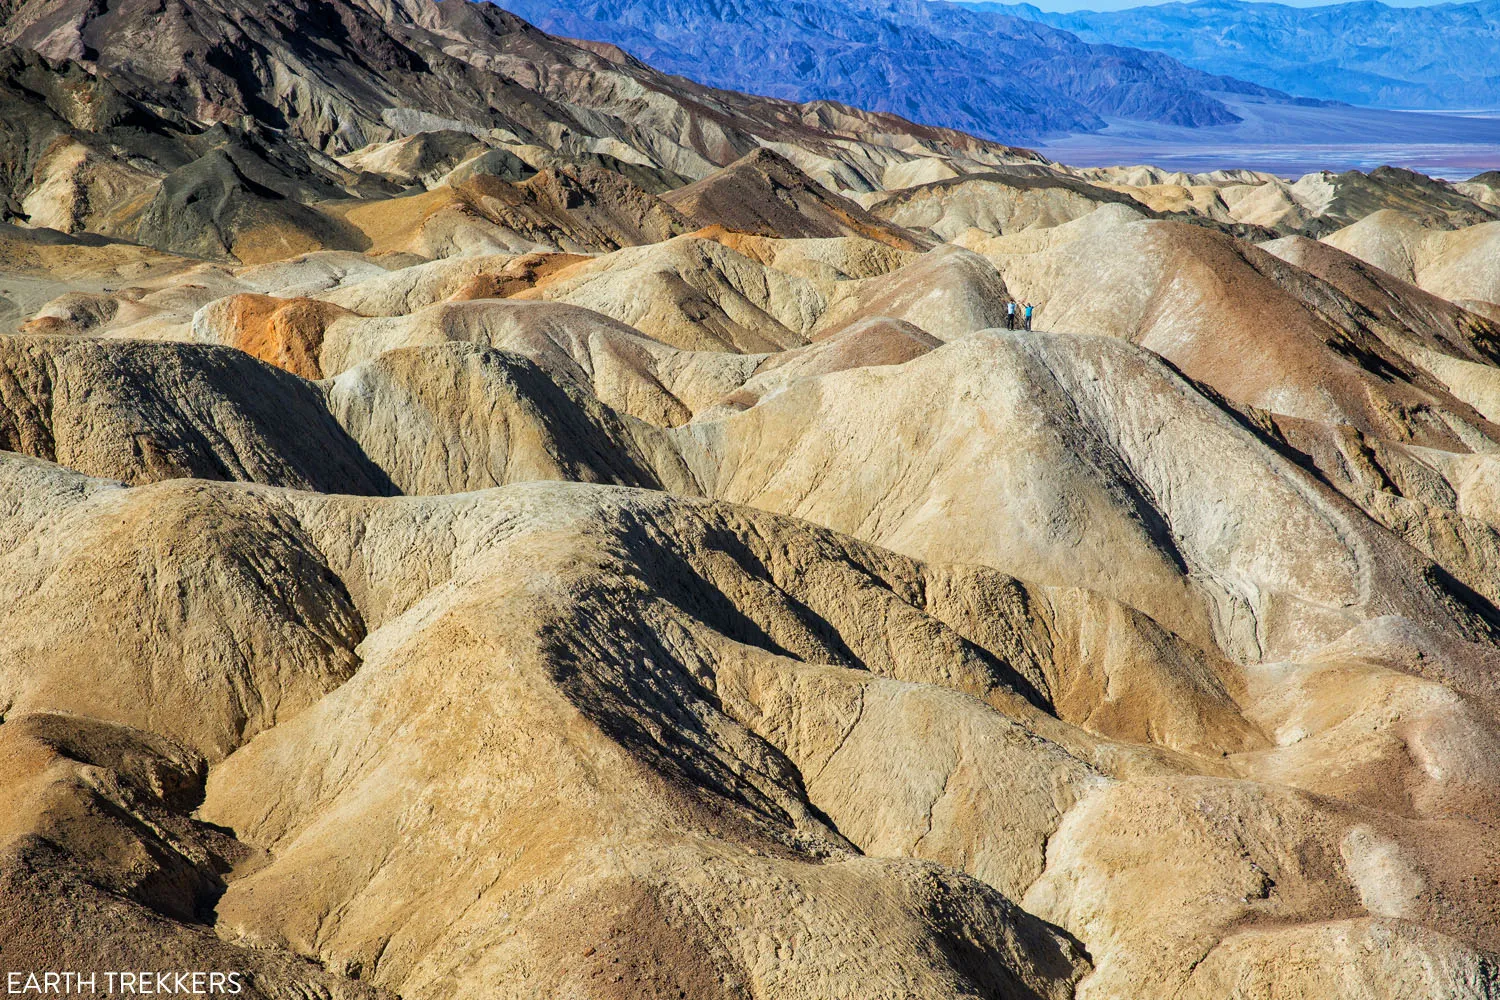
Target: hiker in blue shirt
pixel 1010 315
pixel 1029 308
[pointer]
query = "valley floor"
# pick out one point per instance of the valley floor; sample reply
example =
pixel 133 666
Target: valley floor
pixel 1291 140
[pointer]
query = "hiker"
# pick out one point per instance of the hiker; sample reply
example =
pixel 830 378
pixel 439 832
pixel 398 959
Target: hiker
pixel 1029 308
pixel 1010 315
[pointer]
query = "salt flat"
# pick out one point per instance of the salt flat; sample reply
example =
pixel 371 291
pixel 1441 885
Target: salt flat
pixel 1295 139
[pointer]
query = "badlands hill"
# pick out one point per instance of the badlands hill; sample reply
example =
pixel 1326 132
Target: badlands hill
pixel 481 518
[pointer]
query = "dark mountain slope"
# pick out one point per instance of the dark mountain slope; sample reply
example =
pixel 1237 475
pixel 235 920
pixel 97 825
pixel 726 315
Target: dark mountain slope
pixel 765 195
pixel 339 74
pixel 225 129
pixel 985 73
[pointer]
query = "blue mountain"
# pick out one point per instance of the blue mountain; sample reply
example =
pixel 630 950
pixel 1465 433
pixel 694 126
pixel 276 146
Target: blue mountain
pixel 1445 56
pixel 988 72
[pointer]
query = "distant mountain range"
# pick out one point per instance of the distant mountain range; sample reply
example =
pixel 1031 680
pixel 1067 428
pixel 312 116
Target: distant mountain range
pixel 214 128
pixel 1446 56
pixel 986 72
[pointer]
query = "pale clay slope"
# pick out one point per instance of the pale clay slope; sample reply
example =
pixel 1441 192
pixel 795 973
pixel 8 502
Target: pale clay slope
pixel 1186 674
pixel 1152 653
pixel 1105 455
pixel 100 865
pixel 141 412
pixel 707 848
pixel 486 418
pixel 951 208
pixel 420 612
pixel 1241 321
pixel 1461 265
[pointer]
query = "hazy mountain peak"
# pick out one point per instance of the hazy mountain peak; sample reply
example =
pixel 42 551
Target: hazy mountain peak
pixel 980 71
pixel 1367 53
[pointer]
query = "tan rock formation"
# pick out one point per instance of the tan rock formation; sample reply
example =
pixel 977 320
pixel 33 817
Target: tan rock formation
pixel 581 534
pixel 996 203
pixel 142 412
pixel 1458 265
pixel 1259 331
pixel 101 869
pixel 765 195
pixel 460 417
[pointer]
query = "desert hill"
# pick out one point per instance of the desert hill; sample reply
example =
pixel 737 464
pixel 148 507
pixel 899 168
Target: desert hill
pixel 583 534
